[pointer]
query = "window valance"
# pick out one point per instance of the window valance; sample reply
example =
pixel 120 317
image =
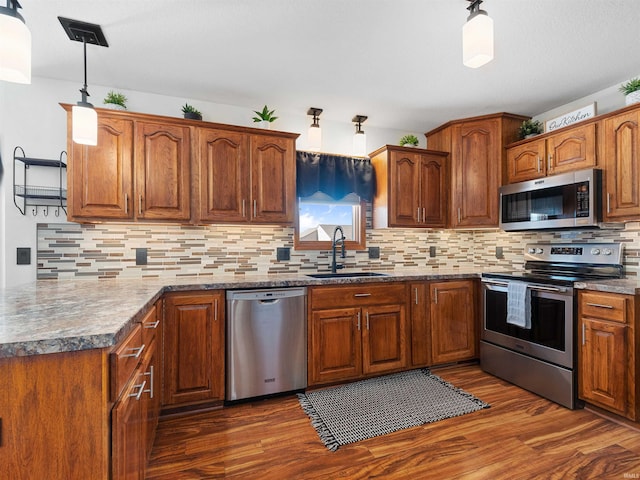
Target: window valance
pixel 334 175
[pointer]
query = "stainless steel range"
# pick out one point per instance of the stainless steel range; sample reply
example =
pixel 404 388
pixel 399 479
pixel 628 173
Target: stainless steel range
pixel 529 327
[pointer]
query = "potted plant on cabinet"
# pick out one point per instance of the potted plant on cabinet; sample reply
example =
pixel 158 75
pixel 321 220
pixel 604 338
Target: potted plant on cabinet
pixel 530 128
pixel 409 141
pixel 191 112
pixel 631 90
pixel 115 100
pixel 264 117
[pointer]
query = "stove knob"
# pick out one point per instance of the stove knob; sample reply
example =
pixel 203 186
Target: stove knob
pixel 607 251
pixel 531 251
pixel 538 251
pixel 595 251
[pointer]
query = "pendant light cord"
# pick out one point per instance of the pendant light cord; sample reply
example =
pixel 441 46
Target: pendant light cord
pixel 84 90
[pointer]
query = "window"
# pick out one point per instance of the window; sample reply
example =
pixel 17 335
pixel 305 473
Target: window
pixel 318 217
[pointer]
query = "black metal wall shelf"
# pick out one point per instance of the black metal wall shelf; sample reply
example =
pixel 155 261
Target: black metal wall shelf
pixel 45 197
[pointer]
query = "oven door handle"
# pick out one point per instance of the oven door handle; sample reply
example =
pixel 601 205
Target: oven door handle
pixel 540 288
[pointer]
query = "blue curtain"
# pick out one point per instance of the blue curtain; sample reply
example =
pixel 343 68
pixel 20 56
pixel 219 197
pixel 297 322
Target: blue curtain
pixel 334 175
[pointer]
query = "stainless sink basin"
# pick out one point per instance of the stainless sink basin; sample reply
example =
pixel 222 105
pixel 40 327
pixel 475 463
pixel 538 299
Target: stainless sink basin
pixel 346 275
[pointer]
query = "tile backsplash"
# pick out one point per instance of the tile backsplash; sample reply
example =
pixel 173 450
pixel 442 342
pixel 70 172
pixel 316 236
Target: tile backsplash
pixel 109 250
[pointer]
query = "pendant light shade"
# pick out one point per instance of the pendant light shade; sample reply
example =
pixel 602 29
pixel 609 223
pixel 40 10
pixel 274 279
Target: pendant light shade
pixel 314 138
pixel 84 124
pixel 15 45
pixel 359 138
pixel 477 37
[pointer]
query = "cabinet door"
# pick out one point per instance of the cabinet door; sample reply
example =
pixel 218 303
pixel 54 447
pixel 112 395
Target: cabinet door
pixel 335 345
pixel 384 339
pixel 100 178
pixel 163 169
pixel 476 169
pixel 452 314
pixel 193 348
pixel 223 176
pixel 572 150
pixel 273 179
pixel 622 166
pixel 433 191
pixel 526 161
pixel 128 450
pixel 404 178
pixel 603 354
pixel 420 325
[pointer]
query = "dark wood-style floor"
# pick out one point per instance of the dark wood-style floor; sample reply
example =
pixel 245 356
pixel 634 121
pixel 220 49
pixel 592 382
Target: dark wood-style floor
pixel 521 436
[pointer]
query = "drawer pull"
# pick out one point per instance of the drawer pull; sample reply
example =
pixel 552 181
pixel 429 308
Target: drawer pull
pixel 152 325
pixel 135 352
pixel 600 305
pixel 150 375
pixel 361 294
pixel 140 391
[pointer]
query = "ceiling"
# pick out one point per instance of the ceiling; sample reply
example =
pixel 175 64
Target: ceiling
pixel 397 61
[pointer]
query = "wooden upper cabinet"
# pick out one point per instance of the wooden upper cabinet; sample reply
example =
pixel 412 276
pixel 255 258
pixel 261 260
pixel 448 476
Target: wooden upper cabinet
pixel 565 151
pixel 163 172
pixel 273 179
pixel 223 155
pixel 411 187
pixel 100 178
pixel 621 152
pixel 478 159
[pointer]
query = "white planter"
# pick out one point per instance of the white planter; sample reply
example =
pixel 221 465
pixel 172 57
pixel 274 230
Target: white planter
pixel 264 124
pixel 633 97
pixel 114 106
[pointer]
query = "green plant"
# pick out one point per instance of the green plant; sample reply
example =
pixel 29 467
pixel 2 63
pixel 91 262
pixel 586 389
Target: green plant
pixel 409 140
pixel 631 86
pixel 530 127
pixel 116 98
pixel 265 115
pixel 186 108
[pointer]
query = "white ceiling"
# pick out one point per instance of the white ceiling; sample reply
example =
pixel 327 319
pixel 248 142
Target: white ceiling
pixel 397 61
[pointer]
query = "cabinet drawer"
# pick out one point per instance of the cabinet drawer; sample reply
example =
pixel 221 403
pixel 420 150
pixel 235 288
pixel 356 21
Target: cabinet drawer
pixel 124 359
pixel 604 306
pixel 150 326
pixel 354 296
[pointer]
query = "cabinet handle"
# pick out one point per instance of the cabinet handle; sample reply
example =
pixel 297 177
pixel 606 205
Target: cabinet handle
pixel 416 294
pixel 255 208
pixel 126 204
pixel 358 321
pixel 140 204
pixel 459 216
pixel 424 217
pixel 549 167
pixel 539 164
pixel 583 333
pixel 418 214
pixel 150 375
pixel 361 294
pixel 608 203
pixel 367 315
pixel 244 212
pixel 153 325
pixel 140 391
pixel 135 352
pixel 435 296
pixel 600 305
pixel 215 310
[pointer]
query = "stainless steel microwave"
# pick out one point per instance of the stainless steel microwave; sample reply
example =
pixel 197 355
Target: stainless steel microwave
pixel 568 200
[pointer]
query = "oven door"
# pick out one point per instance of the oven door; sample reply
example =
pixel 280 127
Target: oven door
pixel 550 337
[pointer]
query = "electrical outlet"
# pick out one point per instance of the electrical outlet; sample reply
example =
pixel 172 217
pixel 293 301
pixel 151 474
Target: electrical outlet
pixel 283 254
pixel 23 256
pixel 141 256
pixel 499 253
pixel 374 252
pixel 432 251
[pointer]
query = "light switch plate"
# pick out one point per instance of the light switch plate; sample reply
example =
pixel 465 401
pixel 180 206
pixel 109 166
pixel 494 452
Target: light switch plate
pixel 283 254
pixel 374 252
pixel 141 256
pixel 432 251
pixel 499 253
pixel 23 256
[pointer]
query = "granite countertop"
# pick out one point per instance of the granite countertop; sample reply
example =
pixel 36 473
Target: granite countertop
pixel 51 316
pixel 628 286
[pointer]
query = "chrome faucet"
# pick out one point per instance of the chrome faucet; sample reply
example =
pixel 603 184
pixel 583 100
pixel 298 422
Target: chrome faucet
pixel 334 244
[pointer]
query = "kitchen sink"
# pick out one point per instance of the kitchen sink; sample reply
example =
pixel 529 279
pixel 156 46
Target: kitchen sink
pixel 346 275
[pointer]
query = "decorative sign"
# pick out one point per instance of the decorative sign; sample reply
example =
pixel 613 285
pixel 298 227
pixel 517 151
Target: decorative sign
pixel 570 118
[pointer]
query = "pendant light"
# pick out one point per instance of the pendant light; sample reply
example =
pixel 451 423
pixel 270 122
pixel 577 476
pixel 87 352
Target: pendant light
pixel 359 138
pixel 314 138
pixel 15 45
pixel 477 37
pixel 84 117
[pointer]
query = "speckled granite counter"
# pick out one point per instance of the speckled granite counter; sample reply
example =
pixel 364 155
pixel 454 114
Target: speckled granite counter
pixel 628 286
pixel 50 316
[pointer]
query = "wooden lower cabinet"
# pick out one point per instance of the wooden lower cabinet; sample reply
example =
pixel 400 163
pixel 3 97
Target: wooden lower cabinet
pixel 607 362
pixel 356 331
pixel 193 348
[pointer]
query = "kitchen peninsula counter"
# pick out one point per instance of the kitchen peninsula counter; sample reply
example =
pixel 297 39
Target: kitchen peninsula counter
pixel 626 286
pixel 52 316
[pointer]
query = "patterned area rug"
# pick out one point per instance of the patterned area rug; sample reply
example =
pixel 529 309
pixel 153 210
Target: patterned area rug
pixel 377 406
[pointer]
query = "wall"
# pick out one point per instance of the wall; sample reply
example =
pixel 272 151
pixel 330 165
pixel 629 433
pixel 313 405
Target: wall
pixel 31 117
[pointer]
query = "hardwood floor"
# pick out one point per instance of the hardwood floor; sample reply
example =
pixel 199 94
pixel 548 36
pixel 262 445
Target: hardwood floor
pixel 521 436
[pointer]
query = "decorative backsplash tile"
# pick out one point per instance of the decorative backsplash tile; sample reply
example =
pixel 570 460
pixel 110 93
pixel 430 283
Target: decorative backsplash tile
pixel 109 250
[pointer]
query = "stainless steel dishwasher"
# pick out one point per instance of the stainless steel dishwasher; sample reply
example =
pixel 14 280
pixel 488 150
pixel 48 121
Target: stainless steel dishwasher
pixel 266 342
